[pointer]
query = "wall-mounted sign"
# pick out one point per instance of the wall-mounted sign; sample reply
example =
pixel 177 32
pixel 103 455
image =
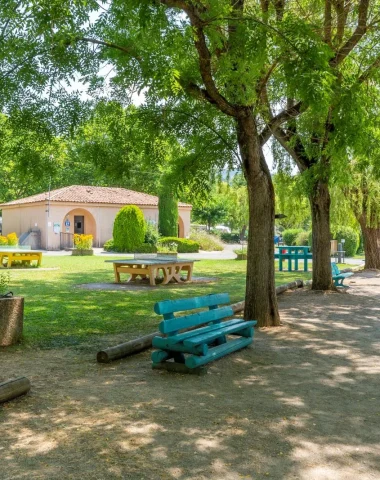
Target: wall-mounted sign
pixel 67 222
pixel 56 227
pixel 49 224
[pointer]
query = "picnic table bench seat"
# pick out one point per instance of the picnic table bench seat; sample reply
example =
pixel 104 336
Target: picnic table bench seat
pixel 339 276
pixel 207 338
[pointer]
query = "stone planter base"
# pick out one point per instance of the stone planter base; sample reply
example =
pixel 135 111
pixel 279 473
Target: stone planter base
pixel 77 251
pixel 11 320
pixel 167 254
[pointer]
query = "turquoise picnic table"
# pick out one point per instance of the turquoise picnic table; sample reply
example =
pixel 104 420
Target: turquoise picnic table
pixel 290 253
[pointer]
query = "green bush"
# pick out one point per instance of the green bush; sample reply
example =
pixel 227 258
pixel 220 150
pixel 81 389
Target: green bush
pixel 129 229
pixel 351 238
pixel 289 236
pixel 230 237
pixel 302 239
pixel 183 244
pixel 206 241
pixel 109 245
pixel 146 248
pixel 151 234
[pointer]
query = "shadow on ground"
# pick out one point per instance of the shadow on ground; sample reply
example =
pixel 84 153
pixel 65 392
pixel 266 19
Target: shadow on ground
pixel 301 403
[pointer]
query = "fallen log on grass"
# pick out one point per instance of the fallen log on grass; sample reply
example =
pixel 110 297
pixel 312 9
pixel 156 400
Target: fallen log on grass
pixel 14 388
pixel 143 343
pixel 124 349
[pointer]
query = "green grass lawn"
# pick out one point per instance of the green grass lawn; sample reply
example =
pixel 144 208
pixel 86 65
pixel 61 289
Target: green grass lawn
pixel 57 313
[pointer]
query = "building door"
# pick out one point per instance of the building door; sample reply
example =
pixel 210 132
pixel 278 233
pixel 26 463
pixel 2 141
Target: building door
pixel 79 224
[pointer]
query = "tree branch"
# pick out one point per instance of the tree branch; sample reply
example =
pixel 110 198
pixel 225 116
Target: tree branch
pixel 297 152
pixel 276 121
pixel 204 56
pixel 365 75
pixel 327 22
pixel 359 32
pixel 127 50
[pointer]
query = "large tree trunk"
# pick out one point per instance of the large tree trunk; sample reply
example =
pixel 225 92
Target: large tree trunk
pixel 320 214
pixel 371 240
pixel 260 296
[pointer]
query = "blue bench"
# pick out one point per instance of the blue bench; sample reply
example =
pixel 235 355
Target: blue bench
pixel 293 253
pixel 184 350
pixel 339 276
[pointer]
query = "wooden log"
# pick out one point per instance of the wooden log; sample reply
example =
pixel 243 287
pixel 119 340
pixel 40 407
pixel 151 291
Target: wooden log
pixel 289 286
pixel 11 320
pixel 239 306
pixel 143 343
pixel 124 349
pixel 14 388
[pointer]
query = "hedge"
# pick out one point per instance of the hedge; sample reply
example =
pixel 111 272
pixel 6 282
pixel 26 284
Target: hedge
pixel 230 237
pixel 146 248
pixel 183 244
pixel 351 238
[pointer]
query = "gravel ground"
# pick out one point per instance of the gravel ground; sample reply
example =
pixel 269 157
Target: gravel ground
pixel 301 403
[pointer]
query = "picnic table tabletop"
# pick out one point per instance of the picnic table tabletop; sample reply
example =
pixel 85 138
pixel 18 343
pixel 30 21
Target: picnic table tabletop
pixel 151 261
pixel 148 267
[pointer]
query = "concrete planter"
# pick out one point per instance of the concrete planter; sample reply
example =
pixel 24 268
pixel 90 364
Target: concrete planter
pixel 11 320
pixel 167 254
pixel 241 256
pixel 81 252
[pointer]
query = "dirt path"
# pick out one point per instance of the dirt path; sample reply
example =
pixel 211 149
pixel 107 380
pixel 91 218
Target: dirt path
pixel 302 403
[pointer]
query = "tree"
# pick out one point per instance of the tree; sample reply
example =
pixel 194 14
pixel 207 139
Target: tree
pixel 203 52
pixel 167 214
pixel 211 212
pixel 363 197
pixel 322 139
pixel 28 160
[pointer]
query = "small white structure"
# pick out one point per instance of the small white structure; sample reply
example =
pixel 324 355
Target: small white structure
pixel 58 214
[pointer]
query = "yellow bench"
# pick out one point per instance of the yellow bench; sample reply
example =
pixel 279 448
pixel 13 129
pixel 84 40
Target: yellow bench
pixel 7 257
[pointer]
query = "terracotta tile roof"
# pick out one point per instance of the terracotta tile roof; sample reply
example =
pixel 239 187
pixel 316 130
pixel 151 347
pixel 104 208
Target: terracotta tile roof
pixel 83 194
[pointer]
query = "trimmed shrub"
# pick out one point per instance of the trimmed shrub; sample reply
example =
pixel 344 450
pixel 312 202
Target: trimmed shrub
pixel 183 244
pixel 302 239
pixel 230 237
pixel 129 229
pixel 12 239
pixel 3 240
pixel 167 215
pixel 351 238
pixel 146 248
pixel 206 241
pixel 289 236
pixel 109 245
